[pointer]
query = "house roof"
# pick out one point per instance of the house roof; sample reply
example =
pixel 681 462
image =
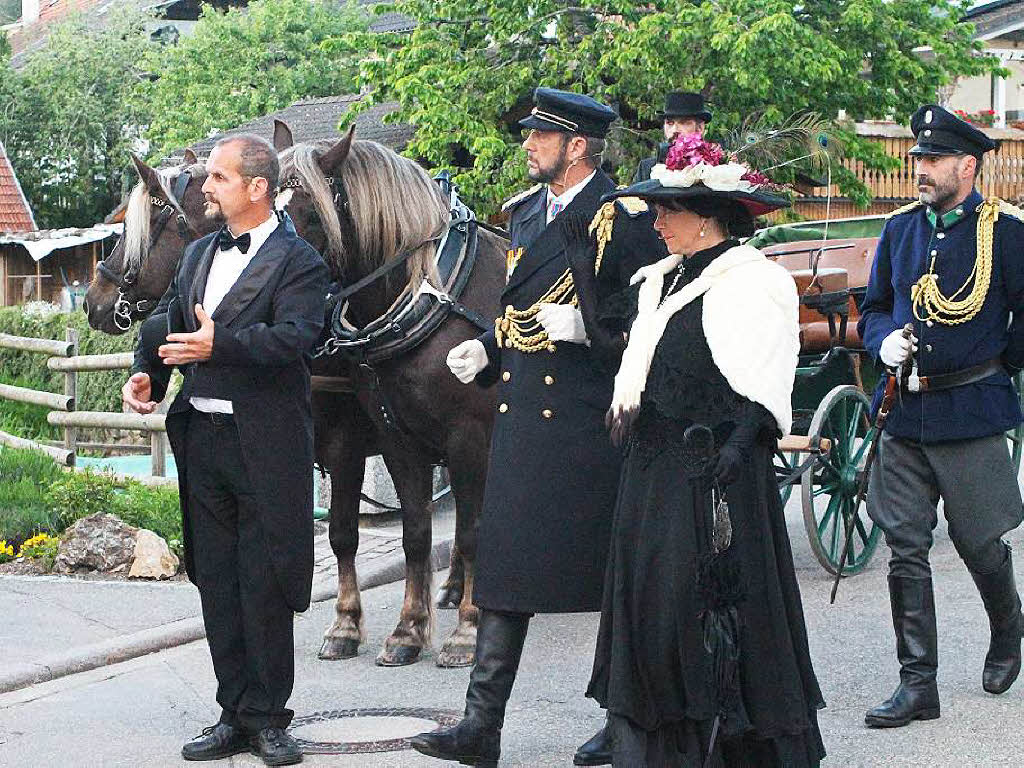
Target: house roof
pixel 997 18
pixel 314 119
pixel 15 213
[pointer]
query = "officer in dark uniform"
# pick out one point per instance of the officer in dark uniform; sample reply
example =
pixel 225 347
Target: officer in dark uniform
pixel 684 113
pixel 553 472
pixel 950 265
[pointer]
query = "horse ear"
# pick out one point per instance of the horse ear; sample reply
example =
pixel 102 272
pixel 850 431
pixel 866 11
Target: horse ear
pixel 149 177
pixel 282 136
pixel 190 157
pixel 332 159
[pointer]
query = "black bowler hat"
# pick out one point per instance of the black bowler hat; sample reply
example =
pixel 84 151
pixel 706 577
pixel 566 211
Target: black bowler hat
pixel 940 132
pixel 678 104
pixel 568 112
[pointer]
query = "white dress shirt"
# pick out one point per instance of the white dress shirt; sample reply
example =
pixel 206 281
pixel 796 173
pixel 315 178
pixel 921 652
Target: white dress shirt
pixel 567 196
pixel 225 270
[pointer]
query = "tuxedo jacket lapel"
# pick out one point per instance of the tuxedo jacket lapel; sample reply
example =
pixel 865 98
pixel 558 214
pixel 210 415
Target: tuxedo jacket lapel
pixel 197 286
pixel 255 275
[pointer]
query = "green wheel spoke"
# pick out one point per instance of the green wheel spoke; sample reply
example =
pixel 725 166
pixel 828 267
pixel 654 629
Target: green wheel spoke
pixel 862 530
pixel 828 488
pixel 854 425
pixel 825 519
pixel 836 528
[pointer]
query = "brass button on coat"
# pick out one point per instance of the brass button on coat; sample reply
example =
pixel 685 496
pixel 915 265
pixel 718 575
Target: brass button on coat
pixel 503 407
pixel 549 380
pixel 506 376
pixel 547 413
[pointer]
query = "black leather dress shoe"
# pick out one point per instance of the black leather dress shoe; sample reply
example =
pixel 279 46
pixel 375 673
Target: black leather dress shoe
pixel 596 751
pixel 468 743
pixel 216 742
pixel 276 747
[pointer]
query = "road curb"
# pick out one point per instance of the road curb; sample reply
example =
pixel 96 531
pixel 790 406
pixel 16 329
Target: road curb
pixel 377 573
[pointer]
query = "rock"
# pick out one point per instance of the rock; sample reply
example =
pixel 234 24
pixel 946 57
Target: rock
pixel 153 558
pixel 99 542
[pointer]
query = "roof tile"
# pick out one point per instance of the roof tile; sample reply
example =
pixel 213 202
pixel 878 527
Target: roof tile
pixel 15 213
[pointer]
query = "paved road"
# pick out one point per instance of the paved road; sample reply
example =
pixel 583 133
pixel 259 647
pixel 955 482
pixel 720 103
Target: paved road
pixel 139 712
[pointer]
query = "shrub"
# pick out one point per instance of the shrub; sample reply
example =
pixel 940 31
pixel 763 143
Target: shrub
pixel 25 509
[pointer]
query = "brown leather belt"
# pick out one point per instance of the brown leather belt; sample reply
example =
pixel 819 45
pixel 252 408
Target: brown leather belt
pixel 955 379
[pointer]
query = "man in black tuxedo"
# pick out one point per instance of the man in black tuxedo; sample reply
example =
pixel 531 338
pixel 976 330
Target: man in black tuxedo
pixel 239 320
pixel 684 114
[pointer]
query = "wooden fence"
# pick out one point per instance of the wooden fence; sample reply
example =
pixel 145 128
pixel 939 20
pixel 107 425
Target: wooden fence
pixel 1002 176
pixel 64 357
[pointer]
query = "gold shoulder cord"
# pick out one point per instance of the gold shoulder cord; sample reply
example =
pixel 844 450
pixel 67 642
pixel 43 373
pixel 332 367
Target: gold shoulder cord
pixel 519 328
pixel 928 301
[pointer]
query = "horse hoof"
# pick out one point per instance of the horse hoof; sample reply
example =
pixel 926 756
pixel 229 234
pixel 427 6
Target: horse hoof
pixel 399 656
pixel 449 597
pixel 335 648
pixel 455 657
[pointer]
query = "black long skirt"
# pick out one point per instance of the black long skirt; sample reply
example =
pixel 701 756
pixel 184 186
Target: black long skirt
pixel 651 671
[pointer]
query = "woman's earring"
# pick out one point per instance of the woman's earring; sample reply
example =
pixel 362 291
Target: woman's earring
pixel 702 230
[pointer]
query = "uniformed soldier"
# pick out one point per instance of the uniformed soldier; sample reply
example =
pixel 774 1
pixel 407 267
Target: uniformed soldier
pixel 553 472
pixel 684 114
pixel 950 265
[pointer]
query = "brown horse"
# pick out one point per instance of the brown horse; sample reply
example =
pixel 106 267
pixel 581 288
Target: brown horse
pixel 158 224
pixel 393 207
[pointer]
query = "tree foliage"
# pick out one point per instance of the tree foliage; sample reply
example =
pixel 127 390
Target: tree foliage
pixel 468 69
pixel 67 121
pixel 245 63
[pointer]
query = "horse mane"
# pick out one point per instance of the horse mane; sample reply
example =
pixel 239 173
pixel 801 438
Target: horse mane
pixel 137 216
pixel 394 204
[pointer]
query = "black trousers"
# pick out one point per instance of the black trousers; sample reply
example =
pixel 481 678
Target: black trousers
pixel 248 622
pixel 978 486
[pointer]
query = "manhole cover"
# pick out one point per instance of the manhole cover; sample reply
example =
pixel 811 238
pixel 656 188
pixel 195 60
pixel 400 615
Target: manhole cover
pixel 361 731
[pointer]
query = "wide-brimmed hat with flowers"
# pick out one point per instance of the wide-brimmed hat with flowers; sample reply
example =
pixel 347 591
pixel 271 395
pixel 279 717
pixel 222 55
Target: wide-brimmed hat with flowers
pixel 696 167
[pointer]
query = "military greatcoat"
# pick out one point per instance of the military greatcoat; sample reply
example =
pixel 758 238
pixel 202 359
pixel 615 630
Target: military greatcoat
pixel 553 473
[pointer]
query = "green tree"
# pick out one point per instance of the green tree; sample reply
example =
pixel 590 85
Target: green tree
pixel 10 10
pixel 68 122
pixel 469 67
pixel 241 64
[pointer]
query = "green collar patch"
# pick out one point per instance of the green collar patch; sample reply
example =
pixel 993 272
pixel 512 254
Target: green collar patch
pixel 948 219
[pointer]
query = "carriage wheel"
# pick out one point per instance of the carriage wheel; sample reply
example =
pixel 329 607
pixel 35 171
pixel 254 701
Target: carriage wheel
pixel 1015 436
pixel 829 488
pixel 785 463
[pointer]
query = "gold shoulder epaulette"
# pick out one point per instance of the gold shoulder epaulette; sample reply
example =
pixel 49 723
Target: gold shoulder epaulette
pixel 905 209
pixel 602 224
pixel 1011 210
pixel 520 197
pixel 634 206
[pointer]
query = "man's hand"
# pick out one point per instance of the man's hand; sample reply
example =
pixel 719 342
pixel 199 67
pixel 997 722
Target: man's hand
pixel 467 360
pixel 896 348
pixel 563 322
pixel 137 393
pixel 194 347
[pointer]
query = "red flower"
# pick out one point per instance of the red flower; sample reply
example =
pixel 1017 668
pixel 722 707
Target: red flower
pixel 692 150
pixel 756 178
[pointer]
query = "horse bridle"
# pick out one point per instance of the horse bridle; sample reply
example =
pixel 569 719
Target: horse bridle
pixel 341 206
pixel 125 309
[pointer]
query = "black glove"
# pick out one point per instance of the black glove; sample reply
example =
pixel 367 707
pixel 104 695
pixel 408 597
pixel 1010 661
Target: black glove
pixel 736 451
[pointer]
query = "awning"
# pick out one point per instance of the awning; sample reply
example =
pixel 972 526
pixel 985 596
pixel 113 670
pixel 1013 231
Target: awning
pixel 44 242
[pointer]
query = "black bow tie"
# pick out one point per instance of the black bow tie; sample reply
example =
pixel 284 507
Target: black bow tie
pixel 227 242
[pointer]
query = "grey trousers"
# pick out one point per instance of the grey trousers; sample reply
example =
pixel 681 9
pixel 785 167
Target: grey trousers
pixel 978 486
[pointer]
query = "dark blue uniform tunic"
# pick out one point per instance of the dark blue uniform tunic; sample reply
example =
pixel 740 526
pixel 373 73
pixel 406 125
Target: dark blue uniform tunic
pixel 909 241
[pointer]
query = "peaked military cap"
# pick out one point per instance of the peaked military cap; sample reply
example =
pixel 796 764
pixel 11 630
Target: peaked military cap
pixel 568 112
pixel 679 104
pixel 940 132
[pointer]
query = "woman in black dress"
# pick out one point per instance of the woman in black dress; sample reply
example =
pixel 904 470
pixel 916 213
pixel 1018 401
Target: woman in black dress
pixel 713 340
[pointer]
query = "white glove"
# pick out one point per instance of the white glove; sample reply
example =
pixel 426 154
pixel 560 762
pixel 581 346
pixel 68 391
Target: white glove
pixel 896 349
pixel 563 322
pixel 467 359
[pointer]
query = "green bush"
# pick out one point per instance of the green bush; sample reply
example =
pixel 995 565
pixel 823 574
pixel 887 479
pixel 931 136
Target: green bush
pixel 37 496
pixel 97 390
pixel 25 509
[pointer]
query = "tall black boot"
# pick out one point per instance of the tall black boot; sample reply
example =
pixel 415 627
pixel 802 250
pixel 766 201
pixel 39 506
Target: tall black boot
pixel 477 739
pixel 913 618
pixel 1002 603
pixel 597 750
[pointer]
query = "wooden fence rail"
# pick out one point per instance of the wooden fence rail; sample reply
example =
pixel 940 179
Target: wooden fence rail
pixel 64 357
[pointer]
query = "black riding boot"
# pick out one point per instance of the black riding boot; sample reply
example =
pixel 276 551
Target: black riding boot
pixel 477 739
pixel 913 618
pixel 597 750
pixel 1002 603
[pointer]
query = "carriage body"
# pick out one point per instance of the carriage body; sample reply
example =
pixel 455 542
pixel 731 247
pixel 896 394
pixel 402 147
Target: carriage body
pixel 832 430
